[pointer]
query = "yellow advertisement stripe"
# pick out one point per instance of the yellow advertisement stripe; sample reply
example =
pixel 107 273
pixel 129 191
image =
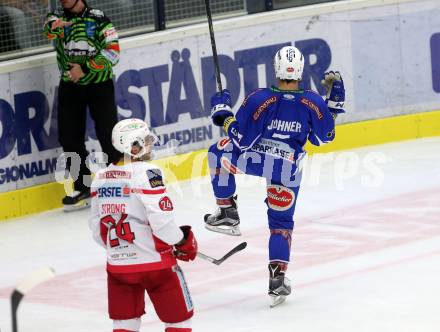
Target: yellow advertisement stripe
pixel 189 165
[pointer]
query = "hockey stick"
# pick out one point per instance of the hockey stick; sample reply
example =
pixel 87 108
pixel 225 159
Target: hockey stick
pixel 214 48
pixel 234 250
pixel 24 287
pixel 238 248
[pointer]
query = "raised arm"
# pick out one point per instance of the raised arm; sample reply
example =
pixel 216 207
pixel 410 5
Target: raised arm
pixel 323 114
pixel 247 126
pixel 54 26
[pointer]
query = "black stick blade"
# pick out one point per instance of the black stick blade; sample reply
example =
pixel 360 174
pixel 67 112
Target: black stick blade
pixel 234 250
pixel 238 248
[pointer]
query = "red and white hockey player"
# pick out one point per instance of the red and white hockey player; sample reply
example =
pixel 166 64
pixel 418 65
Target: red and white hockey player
pixel 132 217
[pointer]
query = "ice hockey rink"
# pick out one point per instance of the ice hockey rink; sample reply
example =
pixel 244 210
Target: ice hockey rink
pixel 366 253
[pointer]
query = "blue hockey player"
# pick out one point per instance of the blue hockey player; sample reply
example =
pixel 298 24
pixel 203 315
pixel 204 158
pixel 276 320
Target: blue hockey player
pixel 266 138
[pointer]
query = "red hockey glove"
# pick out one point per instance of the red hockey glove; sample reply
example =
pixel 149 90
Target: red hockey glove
pixel 188 250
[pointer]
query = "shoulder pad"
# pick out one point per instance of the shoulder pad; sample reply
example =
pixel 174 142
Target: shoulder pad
pixel 258 102
pixel 310 93
pixel 313 102
pixel 265 104
pixel 258 94
pixel 155 177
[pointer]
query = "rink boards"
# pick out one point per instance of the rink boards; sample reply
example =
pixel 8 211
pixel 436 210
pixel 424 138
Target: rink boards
pixel 389 55
pixel 193 164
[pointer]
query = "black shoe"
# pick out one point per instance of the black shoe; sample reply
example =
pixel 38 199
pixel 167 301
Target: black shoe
pixel 225 220
pixel 76 200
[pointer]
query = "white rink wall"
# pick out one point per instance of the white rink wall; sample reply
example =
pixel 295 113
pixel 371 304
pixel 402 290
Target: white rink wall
pixel 387 51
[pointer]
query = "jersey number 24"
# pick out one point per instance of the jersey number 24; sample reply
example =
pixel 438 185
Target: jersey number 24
pixel 121 228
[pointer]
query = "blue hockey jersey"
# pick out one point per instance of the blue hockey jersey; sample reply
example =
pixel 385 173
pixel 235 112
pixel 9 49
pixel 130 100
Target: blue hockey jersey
pixel 279 122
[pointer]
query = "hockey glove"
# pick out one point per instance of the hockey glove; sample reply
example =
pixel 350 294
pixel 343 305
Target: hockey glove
pixel 221 107
pixel 188 250
pixel 334 86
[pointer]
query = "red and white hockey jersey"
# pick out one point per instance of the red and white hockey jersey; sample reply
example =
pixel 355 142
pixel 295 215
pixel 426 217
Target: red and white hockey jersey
pixel 132 217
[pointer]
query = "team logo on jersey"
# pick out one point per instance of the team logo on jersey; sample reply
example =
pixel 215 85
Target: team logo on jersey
pixel 263 107
pixel 313 107
pixel 114 192
pixel 155 178
pixel 126 190
pixel 165 204
pixel 280 198
pixel 288 97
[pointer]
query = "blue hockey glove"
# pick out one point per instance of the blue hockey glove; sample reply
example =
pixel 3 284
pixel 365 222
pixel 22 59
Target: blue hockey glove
pixel 335 97
pixel 221 107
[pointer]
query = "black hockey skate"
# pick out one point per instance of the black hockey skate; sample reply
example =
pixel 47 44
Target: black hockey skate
pixel 279 285
pixel 77 200
pixel 225 220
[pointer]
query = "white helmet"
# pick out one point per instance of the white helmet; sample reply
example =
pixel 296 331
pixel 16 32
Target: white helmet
pixel 289 63
pixel 129 132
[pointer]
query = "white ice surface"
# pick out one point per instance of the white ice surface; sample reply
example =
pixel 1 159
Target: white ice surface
pixel 366 253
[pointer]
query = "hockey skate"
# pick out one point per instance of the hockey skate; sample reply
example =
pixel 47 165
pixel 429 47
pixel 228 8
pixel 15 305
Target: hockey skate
pixel 77 200
pixel 225 220
pixel 279 285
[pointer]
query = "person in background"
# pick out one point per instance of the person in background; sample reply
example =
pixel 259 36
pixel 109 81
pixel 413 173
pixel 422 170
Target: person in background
pixel 87 47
